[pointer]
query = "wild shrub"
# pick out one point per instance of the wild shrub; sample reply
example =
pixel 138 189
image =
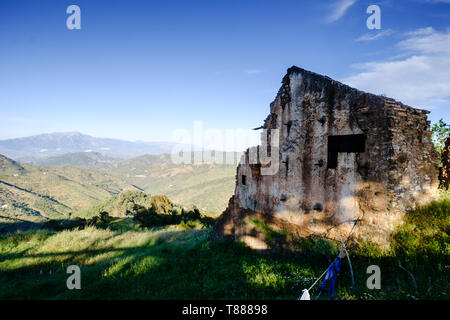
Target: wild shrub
pixel 100 221
pixel 152 217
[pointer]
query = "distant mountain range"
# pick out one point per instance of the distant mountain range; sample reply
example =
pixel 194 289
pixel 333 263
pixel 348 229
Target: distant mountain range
pixel 29 149
pixel 54 174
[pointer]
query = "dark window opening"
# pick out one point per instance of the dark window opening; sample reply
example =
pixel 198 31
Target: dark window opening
pixel 244 180
pixel 345 143
pixel 318 207
pixel 287 165
pixel 288 127
pixel 256 170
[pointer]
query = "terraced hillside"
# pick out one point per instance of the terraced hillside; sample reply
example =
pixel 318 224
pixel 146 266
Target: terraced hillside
pixel 34 193
pixel 207 186
pixel 75 182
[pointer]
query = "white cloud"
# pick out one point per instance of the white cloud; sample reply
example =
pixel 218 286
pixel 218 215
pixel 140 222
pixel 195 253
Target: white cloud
pixel 374 36
pixel 421 32
pixel 338 9
pixel 427 41
pixel 421 78
pixel 253 71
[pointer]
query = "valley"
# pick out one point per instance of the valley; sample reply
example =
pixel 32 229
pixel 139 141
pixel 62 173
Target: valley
pixel 72 183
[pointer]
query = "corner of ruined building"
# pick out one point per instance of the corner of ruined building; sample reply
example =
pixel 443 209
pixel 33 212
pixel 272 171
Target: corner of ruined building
pixel 396 172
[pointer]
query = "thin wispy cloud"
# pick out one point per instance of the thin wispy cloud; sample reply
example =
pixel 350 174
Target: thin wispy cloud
pixel 253 71
pixel 375 36
pixel 427 41
pixel 338 10
pixel 438 1
pixel 420 32
pixel 420 78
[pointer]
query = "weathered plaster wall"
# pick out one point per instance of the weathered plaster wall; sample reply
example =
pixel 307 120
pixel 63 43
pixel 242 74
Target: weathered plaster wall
pixel 397 170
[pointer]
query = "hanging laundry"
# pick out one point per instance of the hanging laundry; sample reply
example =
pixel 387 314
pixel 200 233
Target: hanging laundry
pixel 305 295
pixel 331 275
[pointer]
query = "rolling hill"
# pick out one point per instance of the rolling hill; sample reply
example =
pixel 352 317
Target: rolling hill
pixel 207 186
pixel 76 182
pixel 34 193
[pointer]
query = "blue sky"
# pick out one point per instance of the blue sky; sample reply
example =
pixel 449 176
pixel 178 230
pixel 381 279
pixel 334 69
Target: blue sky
pixel 138 70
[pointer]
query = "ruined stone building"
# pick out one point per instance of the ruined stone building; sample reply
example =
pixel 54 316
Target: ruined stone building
pixel 344 156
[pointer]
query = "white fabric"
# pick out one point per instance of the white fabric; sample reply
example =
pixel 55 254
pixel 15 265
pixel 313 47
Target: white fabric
pixel 305 295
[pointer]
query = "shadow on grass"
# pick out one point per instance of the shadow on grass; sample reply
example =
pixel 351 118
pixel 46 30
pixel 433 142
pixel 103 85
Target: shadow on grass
pixel 190 265
pixel 19 225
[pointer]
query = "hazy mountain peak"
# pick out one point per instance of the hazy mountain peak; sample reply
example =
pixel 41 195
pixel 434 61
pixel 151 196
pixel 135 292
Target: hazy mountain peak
pixel 50 144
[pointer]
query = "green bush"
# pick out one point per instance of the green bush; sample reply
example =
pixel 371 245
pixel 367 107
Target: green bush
pixel 100 221
pixel 152 217
pixel 425 235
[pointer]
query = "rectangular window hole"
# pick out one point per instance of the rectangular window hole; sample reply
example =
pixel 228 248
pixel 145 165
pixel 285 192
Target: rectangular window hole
pixel 344 143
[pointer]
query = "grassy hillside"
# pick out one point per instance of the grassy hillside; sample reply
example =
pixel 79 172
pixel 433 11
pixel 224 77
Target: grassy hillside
pixel 10 167
pixel 73 183
pixel 169 263
pixel 80 180
pixel 207 186
pixel 35 193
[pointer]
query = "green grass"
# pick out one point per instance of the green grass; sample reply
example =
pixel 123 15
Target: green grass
pixel 169 263
pixel 163 264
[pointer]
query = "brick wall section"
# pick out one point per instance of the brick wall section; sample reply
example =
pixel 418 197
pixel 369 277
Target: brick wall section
pixel 415 162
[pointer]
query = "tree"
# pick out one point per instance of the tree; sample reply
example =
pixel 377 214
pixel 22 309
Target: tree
pixel 441 131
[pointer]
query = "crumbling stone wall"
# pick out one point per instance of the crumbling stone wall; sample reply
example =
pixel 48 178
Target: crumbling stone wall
pixel 445 174
pixel 344 155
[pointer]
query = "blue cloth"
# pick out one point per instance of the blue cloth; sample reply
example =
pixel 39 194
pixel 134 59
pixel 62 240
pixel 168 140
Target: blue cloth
pixel 331 275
